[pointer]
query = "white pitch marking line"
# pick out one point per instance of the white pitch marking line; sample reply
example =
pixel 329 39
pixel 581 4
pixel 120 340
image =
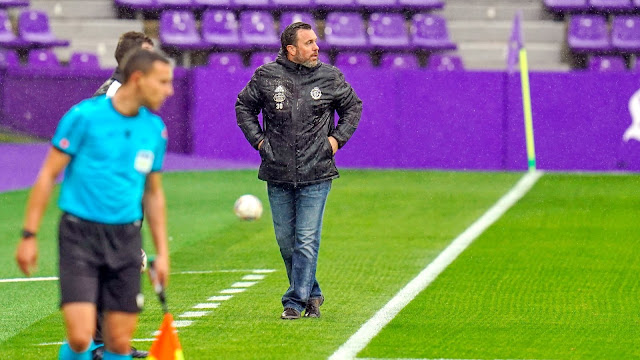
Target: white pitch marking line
pixel 263 271
pixel 182 323
pixel 372 327
pixel 207 306
pixel 60 342
pixel 192 314
pixel 254 277
pixel 220 298
pixel 233 291
pixel 48 278
pixel 243 284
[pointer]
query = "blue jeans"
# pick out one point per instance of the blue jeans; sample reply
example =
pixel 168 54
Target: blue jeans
pixel 297 220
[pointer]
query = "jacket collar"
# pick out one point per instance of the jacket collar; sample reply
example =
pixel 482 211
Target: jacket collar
pixel 118 75
pixel 290 65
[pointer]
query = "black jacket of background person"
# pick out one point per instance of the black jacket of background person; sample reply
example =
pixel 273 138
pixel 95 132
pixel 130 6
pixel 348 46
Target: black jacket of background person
pixel 297 105
pixel 116 76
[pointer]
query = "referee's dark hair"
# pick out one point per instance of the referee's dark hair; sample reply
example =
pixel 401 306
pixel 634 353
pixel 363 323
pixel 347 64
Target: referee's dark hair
pixel 129 41
pixel 290 34
pixel 140 60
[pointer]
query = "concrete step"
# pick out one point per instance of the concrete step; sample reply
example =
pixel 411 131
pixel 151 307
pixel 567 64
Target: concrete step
pixel 488 12
pixel 488 31
pixel 94 29
pixel 76 9
pixel 541 56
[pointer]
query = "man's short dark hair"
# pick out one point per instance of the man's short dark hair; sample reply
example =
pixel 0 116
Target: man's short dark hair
pixel 140 60
pixel 290 34
pixel 129 41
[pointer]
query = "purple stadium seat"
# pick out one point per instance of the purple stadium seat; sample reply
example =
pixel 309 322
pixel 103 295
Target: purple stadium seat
pixel 33 27
pixel 289 18
pixel 44 58
pixel 399 61
pixel 444 62
pixel 607 64
pixel 176 4
pixel 611 5
pixel 345 30
pixel 388 31
pixel 253 4
pixel 137 4
pixel 178 30
pixel 9 58
pixel 231 62
pixel 13 3
pixel 261 58
pixel 636 3
pixel 588 33
pixel 625 33
pixel 386 5
pixel 353 60
pixel 84 60
pixel 336 4
pixel 293 4
pixel 324 57
pixel 257 30
pixel 430 32
pixel 220 28
pixel 214 4
pixel 420 5
pixel 566 5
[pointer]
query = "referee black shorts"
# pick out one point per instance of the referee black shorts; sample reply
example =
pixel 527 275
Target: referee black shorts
pixel 100 264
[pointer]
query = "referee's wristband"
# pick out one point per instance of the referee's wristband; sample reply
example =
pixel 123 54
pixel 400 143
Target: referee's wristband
pixel 26 234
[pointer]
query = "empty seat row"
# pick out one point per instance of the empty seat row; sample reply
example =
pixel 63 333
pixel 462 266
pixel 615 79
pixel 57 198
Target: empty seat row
pixel 343 30
pixel 33 31
pixel 4 4
pixel 591 33
pixel 46 58
pixel 387 5
pixel 610 64
pixel 231 62
pixel 592 5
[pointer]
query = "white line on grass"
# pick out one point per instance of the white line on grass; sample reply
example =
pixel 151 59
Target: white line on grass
pixel 233 291
pixel 243 284
pixel 49 278
pixel 207 306
pixel 191 314
pixel 371 328
pixel 253 277
pixel 220 298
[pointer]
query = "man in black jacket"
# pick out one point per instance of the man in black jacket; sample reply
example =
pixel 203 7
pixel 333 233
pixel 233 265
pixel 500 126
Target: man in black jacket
pixel 128 41
pixel 298 96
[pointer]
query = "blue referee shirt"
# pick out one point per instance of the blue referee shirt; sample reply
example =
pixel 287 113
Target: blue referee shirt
pixel 111 155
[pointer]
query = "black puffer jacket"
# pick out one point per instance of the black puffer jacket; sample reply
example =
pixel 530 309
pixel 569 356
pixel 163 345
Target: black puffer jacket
pixel 298 105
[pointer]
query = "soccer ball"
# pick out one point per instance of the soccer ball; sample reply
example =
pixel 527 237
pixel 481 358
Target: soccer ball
pixel 248 207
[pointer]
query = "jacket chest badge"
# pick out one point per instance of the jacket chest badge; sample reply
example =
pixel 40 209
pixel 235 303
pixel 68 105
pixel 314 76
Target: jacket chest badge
pixel 279 97
pixel 316 94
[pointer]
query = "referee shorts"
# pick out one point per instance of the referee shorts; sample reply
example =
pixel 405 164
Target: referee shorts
pixel 100 264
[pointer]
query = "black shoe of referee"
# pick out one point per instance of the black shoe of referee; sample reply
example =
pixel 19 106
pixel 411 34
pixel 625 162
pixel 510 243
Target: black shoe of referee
pixel 135 353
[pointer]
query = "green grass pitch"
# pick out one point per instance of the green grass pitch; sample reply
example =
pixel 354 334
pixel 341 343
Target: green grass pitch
pixel 555 277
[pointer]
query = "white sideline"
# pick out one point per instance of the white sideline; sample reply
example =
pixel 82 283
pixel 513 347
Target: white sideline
pixel 372 327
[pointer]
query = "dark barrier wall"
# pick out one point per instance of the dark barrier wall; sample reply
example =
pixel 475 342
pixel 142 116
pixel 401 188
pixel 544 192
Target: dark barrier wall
pixel 411 119
pixel 34 100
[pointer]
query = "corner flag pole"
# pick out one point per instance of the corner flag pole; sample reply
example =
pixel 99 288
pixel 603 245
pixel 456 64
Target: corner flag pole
pixel 518 54
pixel 526 104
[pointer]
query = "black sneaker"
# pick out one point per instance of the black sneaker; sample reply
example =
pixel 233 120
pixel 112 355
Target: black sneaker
pixel 138 354
pixel 290 314
pixel 135 353
pixel 313 307
pixel 97 353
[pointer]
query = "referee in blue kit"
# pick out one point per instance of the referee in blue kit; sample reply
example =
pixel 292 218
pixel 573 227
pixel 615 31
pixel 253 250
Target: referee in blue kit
pixel 112 151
